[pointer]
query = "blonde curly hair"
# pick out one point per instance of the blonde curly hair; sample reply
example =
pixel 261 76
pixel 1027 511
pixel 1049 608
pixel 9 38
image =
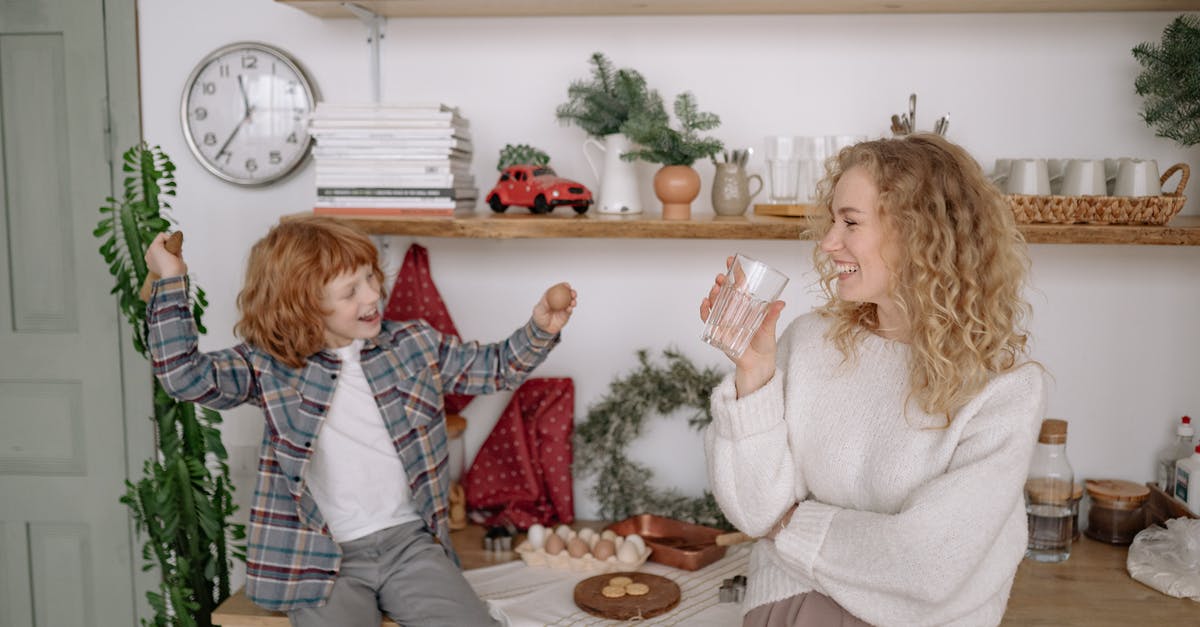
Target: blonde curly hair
pixel 962 266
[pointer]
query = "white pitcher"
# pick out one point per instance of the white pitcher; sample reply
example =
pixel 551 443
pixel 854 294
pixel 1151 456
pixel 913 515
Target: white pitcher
pixel 619 184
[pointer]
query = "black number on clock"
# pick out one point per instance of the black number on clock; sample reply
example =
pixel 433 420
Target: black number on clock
pixel 225 154
pixel 224 70
pixel 210 88
pixel 210 139
pixel 249 61
pixel 201 113
pixel 275 157
pixel 291 139
pixel 251 165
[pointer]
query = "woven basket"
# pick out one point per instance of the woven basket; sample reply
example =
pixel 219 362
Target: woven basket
pixel 1103 209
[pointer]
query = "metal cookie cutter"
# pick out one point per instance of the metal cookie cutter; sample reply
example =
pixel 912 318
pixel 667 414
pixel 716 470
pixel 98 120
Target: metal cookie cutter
pixel 732 590
pixel 498 539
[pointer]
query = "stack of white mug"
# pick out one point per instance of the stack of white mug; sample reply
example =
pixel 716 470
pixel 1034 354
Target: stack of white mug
pixel 1078 177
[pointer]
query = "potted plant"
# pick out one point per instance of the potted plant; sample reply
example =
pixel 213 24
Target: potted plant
pixel 676 184
pixel 183 502
pixel 601 105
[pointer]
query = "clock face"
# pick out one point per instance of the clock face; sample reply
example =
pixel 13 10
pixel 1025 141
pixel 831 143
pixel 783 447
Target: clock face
pixel 245 110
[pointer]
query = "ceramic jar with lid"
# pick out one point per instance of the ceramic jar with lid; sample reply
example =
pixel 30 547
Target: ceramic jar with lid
pixel 1118 510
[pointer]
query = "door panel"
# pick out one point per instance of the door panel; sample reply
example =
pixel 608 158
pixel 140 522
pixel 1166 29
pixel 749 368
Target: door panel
pixel 65 542
pixel 37 182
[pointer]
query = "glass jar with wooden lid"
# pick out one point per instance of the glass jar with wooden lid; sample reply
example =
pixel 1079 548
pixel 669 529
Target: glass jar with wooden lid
pixel 1118 510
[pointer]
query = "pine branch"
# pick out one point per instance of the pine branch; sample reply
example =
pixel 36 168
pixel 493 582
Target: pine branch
pixel 1170 81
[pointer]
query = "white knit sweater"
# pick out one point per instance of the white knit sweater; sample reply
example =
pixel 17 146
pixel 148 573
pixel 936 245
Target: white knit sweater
pixel 901 521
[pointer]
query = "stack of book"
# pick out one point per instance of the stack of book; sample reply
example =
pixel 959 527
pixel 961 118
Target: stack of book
pixel 392 160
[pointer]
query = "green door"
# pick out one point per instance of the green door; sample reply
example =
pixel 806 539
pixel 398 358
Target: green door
pixel 65 546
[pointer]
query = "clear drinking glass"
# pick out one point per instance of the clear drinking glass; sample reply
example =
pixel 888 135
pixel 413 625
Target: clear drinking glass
pixel 750 286
pixel 783 168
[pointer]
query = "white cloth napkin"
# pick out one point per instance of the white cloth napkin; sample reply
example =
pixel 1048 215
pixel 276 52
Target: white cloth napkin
pixel 529 595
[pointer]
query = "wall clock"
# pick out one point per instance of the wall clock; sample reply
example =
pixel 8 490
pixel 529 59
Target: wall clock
pixel 245 113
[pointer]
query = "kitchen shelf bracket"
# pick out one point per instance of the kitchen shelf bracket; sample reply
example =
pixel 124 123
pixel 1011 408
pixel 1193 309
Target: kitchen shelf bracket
pixel 375 24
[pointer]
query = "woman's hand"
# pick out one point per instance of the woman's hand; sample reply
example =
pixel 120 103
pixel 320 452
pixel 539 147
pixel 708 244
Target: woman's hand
pixel 756 366
pixel 160 261
pixel 553 310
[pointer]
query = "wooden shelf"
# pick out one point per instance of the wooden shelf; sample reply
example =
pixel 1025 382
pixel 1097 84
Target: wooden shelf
pixel 1182 231
pixel 533 8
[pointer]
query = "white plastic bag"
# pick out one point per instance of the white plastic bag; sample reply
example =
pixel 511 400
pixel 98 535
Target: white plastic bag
pixel 1168 560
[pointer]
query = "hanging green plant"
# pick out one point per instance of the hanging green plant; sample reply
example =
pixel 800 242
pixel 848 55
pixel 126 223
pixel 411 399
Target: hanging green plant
pixel 184 501
pixel 622 485
pixel 1170 81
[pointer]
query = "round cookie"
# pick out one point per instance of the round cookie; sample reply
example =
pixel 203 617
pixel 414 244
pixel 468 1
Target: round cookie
pixel 637 589
pixel 613 592
pixel 621 581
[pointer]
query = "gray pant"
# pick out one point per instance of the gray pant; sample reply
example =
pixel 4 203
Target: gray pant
pixel 810 609
pixel 400 571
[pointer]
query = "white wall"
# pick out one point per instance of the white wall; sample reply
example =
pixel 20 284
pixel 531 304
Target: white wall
pixel 1116 325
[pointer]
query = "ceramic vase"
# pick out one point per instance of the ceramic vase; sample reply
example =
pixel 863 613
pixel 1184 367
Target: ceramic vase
pixel 618 180
pixel 677 186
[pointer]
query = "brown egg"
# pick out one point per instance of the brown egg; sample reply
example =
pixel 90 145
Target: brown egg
pixel 559 296
pixel 577 547
pixel 555 544
pixel 604 549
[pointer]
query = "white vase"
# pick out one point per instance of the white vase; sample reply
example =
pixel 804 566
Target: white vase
pixel 618 183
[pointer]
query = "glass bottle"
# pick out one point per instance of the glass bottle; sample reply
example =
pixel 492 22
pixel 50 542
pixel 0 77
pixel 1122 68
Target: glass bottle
pixel 1180 448
pixel 1048 490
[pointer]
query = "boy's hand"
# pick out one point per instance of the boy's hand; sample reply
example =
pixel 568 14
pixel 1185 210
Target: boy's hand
pixel 161 261
pixel 554 308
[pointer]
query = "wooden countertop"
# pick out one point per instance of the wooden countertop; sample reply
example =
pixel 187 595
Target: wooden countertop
pixel 1091 588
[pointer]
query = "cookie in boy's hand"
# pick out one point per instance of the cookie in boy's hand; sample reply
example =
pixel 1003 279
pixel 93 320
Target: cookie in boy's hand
pixel 558 297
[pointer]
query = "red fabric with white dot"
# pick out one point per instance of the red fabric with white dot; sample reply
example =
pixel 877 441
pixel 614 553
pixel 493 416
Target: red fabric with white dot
pixel 522 473
pixel 414 296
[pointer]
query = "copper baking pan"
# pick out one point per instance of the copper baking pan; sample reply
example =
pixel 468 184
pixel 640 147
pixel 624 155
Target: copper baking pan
pixel 676 543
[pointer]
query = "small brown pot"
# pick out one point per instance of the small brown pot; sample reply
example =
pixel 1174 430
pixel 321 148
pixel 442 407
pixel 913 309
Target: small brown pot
pixel 677 186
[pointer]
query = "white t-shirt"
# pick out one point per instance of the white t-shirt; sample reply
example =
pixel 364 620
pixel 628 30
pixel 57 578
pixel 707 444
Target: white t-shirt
pixel 355 474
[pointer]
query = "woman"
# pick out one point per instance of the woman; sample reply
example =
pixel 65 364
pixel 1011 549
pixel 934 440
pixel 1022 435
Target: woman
pixel 880 445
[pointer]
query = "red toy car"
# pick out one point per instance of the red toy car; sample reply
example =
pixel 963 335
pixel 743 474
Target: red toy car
pixel 539 188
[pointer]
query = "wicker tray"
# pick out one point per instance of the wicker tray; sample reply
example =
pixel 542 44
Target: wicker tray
pixel 1103 209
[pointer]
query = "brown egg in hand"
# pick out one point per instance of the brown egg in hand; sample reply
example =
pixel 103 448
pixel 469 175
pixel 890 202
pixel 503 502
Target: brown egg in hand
pixel 555 544
pixel 559 296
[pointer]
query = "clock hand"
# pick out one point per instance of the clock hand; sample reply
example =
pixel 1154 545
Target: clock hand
pixel 245 98
pixel 237 128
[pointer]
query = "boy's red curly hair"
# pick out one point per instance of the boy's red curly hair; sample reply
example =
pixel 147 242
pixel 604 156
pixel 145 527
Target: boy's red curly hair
pixel 286 276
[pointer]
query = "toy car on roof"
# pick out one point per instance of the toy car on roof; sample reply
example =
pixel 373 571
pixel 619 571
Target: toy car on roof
pixel 539 188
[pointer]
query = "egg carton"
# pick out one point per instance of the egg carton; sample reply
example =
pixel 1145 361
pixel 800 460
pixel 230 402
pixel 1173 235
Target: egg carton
pixel 631 558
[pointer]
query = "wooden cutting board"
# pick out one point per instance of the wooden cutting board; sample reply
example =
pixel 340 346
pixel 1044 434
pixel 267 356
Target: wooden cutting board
pixel 662 597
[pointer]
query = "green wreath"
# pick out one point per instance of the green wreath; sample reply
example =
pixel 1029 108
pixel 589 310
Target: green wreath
pixel 622 485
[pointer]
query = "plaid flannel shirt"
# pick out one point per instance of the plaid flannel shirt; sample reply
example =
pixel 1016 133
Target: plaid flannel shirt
pixel 291 558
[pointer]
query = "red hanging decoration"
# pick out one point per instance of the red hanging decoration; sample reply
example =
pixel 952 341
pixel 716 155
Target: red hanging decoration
pixel 522 474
